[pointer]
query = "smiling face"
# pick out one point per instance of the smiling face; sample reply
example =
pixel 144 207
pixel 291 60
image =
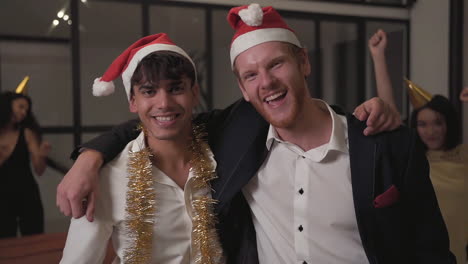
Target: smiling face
pixel 165 108
pixel 164 92
pixel 271 76
pixel 20 108
pixel 432 129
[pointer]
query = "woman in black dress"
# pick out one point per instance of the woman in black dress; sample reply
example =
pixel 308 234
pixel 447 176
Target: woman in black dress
pixel 20 147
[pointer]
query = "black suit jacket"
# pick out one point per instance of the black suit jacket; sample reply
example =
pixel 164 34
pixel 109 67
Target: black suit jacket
pixel 410 230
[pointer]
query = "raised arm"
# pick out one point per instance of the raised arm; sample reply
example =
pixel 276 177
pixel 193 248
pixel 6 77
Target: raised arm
pixel 76 193
pixel 381 113
pixel 377 45
pixel 37 151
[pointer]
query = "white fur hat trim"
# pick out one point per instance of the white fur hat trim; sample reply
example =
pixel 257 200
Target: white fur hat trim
pixel 259 36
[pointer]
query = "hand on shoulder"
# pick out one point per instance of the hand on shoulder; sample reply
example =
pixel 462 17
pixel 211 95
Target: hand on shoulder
pixel 380 116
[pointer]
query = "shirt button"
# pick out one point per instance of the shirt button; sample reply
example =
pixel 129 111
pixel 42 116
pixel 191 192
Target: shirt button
pixel 304 262
pixel 303 157
pixel 300 228
pixel 301 191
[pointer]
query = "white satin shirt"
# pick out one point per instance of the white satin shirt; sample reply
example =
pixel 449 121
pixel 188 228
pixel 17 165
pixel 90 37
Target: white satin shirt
pixel 302 202
pixel 87 241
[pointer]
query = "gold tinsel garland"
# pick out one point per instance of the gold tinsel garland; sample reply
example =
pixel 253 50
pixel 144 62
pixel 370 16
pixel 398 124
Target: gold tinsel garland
pixel 141 205
pixel 204 221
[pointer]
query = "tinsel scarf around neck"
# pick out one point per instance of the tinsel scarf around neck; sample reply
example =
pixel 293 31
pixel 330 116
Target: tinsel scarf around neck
pixel 141 205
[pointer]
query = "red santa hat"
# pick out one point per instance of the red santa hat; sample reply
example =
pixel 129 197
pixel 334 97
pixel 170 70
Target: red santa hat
pixel 126 63
pixel 255 25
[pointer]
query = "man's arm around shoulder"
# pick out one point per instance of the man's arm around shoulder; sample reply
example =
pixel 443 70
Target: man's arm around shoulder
pixel 77 192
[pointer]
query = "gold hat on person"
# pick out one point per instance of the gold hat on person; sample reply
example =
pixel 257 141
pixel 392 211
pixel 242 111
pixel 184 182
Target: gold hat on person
pixel 418 96
pixel 23 86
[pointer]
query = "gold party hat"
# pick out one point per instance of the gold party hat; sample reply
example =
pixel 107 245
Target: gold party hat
pixel 418 96
pixel 23 86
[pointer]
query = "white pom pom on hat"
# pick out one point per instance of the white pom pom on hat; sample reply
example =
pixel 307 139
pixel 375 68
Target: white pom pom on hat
pixel 125 64
pixel 254 25
pixel 101 88
pixel 252 15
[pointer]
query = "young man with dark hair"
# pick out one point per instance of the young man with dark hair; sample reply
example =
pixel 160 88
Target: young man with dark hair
pixel 155 198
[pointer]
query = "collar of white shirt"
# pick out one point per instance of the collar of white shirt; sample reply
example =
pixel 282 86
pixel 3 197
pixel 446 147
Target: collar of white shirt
pixel 338 140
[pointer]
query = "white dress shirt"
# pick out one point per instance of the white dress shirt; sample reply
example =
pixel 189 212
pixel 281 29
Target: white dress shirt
pixel 302 202
pixel 172 244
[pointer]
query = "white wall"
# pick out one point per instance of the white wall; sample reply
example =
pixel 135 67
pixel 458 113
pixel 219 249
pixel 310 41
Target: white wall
pixel 429 49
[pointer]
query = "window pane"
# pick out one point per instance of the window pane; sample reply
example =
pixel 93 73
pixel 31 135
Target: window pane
pixel 62 145
pixel 184 25
pixel 305 31
pixel 33 18
pixel 48 66
pixel 225 89
pixel 102 39
pixel 339 61
pixel 396 56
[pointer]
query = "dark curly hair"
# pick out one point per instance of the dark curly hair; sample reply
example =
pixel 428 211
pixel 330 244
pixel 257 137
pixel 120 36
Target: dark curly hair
pixel 6 112
pixel 162 65
pixel 442 105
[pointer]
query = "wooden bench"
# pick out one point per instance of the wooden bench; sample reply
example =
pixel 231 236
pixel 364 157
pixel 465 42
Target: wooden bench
pixel 38 249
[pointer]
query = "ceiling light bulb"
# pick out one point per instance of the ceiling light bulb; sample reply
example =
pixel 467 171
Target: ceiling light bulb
pixel 65 17
pixel 69 22
pixel 60 14
pixel 83 1
pixel 55 22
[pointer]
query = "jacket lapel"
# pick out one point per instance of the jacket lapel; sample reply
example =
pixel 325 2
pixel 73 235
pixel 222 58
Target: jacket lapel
pixel 362 151
pixel 239 150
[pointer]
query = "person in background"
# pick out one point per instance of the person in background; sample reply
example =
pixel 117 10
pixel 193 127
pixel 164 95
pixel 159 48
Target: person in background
pixel 464 95
pixel 377 44
pixel 20 146
pixel 155 201
pixel 438 127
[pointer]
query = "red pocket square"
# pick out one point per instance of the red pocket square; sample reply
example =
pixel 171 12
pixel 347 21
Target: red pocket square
pixel 387 198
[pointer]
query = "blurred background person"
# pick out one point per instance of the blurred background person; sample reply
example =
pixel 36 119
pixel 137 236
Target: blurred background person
pixel 438 127
pixel 20 146
pixel 464 95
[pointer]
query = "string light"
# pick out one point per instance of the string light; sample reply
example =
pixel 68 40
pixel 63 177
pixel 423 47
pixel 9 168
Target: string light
pixel 62 15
